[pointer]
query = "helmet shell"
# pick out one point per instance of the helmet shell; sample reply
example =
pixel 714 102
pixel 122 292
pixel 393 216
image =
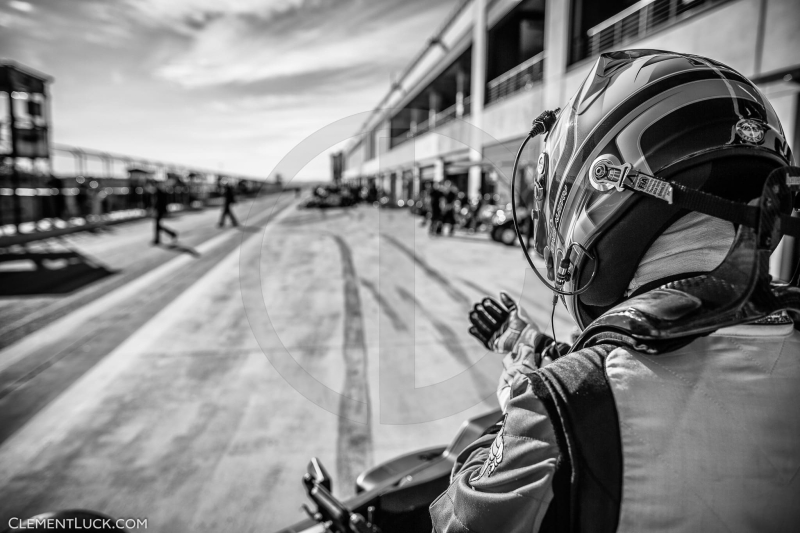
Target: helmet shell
pixel 679 117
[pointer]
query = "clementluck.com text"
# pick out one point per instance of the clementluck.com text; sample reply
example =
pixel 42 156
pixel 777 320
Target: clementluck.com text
pixel 78 523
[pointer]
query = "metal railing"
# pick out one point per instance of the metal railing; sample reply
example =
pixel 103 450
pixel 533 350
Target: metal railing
pixel 442 117
pixel 446 115
pixel 637 21
pixel 82 186
pixel 521 77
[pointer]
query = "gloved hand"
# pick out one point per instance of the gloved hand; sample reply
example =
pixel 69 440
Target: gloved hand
pixel 501 327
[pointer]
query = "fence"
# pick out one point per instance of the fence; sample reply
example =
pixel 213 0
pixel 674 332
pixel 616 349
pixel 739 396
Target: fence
pixel 85 186
pixel 442 117
pixel 636 22
pixel 519 78
pixel 523 76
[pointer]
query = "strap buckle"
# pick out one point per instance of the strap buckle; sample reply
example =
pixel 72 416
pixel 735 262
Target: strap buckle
pixel 607 173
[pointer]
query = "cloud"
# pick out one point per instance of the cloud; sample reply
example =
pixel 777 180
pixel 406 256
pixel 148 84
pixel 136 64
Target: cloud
pixel 19 5
pixel 239 50
pixel 202 82
pixel 19 16
pixel 196 14
pixel 179 8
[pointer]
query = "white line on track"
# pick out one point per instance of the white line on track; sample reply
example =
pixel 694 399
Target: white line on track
pixel 113 299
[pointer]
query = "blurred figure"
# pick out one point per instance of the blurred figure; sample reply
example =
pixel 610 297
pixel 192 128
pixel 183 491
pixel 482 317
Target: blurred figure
pixel 372 193
pixel 423 204
pixel 437 198
pixel 475 209
pixel 347 198
pixel 449 211
pixel 82 199
pixel 160 203
pixel 56 205
pixel 462 210
pixel 229 198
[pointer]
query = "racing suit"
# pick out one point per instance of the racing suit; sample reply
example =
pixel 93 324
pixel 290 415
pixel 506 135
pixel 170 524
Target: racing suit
pixel 704 438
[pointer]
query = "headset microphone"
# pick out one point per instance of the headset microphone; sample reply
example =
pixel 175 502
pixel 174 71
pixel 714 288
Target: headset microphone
pixel 542 125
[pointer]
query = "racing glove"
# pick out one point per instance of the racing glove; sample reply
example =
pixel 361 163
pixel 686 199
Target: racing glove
pixel 525 359
pixel 501 327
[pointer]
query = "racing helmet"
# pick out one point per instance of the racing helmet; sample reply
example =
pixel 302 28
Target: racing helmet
pixel 682 118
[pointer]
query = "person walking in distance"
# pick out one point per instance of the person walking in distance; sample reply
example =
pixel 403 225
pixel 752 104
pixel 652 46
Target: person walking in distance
pixel 229 198
pixel 160 201
pixel 449 213
pixel 437 198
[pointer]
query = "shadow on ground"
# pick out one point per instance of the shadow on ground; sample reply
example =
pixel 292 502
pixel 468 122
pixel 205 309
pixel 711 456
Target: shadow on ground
pixel 249 229
pixel 180 249
pixel 480 238
pixel 38 273
pixel 320 216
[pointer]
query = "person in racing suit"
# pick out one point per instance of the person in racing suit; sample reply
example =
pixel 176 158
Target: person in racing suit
pixel 683 415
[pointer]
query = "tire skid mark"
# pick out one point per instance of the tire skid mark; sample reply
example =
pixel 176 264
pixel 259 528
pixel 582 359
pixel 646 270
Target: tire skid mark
pixel 541 304
pixel 479 289
pixel 354 440
pixel 454 293
pixel 451 339
pixel 22 371
pixel 309 219
pixel 28 386
pixel 397 321
pixel 27 324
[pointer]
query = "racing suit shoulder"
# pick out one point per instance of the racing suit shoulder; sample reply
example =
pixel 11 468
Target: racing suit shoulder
pixel 588 484
pixel 710 432
pixel 506 481
pixel 503 481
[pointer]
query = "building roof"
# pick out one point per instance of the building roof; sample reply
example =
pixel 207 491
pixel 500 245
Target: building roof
pixel 28 71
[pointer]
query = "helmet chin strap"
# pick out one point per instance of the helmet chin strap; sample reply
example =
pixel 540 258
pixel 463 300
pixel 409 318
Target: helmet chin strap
pixel 740 290
pixel 623 177
pixel 605 174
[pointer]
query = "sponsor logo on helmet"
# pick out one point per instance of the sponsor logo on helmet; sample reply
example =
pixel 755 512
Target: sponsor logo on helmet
pixel 562 200
pixel 750 130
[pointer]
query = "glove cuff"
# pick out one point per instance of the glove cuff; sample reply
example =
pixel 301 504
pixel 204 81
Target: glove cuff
pixel 544 345
pixel 528 336
pixel 540 346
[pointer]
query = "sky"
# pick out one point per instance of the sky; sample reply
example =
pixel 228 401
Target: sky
pixel 228 85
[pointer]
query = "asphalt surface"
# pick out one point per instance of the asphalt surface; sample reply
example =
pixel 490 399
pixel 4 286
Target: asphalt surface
pixel 191 385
